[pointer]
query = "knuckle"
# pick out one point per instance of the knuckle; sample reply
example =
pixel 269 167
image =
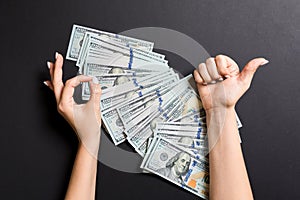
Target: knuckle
pixel 220 56
pixel 249 70
pixel 246 83
pixel 222 69
pixel 59 60
pixel 209 60
pixel 247 86
pixel 201 65
pixel 60 107
pixel 98 90
pixel 57 84
pixel 68 82
pixel 197 77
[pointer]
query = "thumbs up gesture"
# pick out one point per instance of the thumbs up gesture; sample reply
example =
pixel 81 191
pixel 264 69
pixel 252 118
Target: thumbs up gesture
pixel 220 83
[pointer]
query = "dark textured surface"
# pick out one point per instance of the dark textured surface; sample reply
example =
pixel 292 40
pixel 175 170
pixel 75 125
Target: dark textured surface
pixel 38 147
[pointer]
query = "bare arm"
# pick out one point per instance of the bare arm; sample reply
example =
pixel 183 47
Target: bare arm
pixel 228 174
pixel 83 179
pixel 86 121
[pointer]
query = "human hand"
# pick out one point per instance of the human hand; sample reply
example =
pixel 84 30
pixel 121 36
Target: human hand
pixel 220 85
pixel 85 119
pixel 224 93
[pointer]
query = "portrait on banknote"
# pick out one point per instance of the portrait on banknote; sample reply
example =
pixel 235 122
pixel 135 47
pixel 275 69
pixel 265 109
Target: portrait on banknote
pixel 116 70
pixel 176 167
pixel 186 141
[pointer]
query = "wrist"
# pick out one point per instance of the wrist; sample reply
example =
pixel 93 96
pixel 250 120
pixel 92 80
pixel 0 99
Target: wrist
pixel 219 120
pixel 91 146
pixel 220 109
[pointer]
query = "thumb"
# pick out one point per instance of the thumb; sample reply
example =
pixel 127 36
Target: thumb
pixel 95 91
pixel 250 68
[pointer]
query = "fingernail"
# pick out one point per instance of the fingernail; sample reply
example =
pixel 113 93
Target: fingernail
pixel 95 80
pixel 264 62
pixel 56 55
pixel 204 83
pixel 45 83
pixel 213 82
pixel 220 79
pixel 227 76
pixel 48 64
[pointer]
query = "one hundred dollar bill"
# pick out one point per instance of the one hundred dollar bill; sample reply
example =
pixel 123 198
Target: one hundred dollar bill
pixel 162 108
pixel 190 103
pixel 125 48
pixel 110 80
pixel 180 126
pixel 125 95
pixel 77 36
pixel 150 106
pixel 105 53
pixel 192 117
pixel 179 166
pixel 129 112
pixel 133 110
pixel 138 83
pixel 193 138
pixel 139 131
pixel 178 89
pixel 114 125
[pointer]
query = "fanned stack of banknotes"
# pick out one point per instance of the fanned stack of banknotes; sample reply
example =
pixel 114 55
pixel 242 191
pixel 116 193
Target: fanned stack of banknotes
pixel 144 102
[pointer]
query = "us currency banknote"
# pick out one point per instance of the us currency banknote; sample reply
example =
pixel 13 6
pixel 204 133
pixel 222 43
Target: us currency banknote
pixel 139 131
pixel 112 121
pixel 192 117
pixel 105 53
pixel 77 36
pixel 180 126
pixel 150 106
pixel 189 135
pixel 139 109
pixel 114 126
pixel 162 108
pixel 88 51
pixel 179 166
pixel 110 79
pixel 90 36
pixel 144 102
pixel 138 134
pixel 128 113
pixel 125 94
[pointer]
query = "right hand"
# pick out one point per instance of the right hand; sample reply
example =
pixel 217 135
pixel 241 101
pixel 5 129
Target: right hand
pixel 224 94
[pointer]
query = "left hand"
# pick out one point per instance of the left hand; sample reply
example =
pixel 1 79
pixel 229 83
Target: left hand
pixel 85 119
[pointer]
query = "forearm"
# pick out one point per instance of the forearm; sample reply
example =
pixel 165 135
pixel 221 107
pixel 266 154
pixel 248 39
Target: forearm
pixel 83 179
pixel 228 175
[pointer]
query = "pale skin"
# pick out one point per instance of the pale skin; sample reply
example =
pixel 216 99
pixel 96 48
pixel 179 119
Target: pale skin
pixel 83 179
pixel 228 175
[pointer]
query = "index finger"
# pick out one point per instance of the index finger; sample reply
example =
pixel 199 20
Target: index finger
pixel 57 82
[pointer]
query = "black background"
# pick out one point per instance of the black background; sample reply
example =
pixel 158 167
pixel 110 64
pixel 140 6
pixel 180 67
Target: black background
pixel 38 147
